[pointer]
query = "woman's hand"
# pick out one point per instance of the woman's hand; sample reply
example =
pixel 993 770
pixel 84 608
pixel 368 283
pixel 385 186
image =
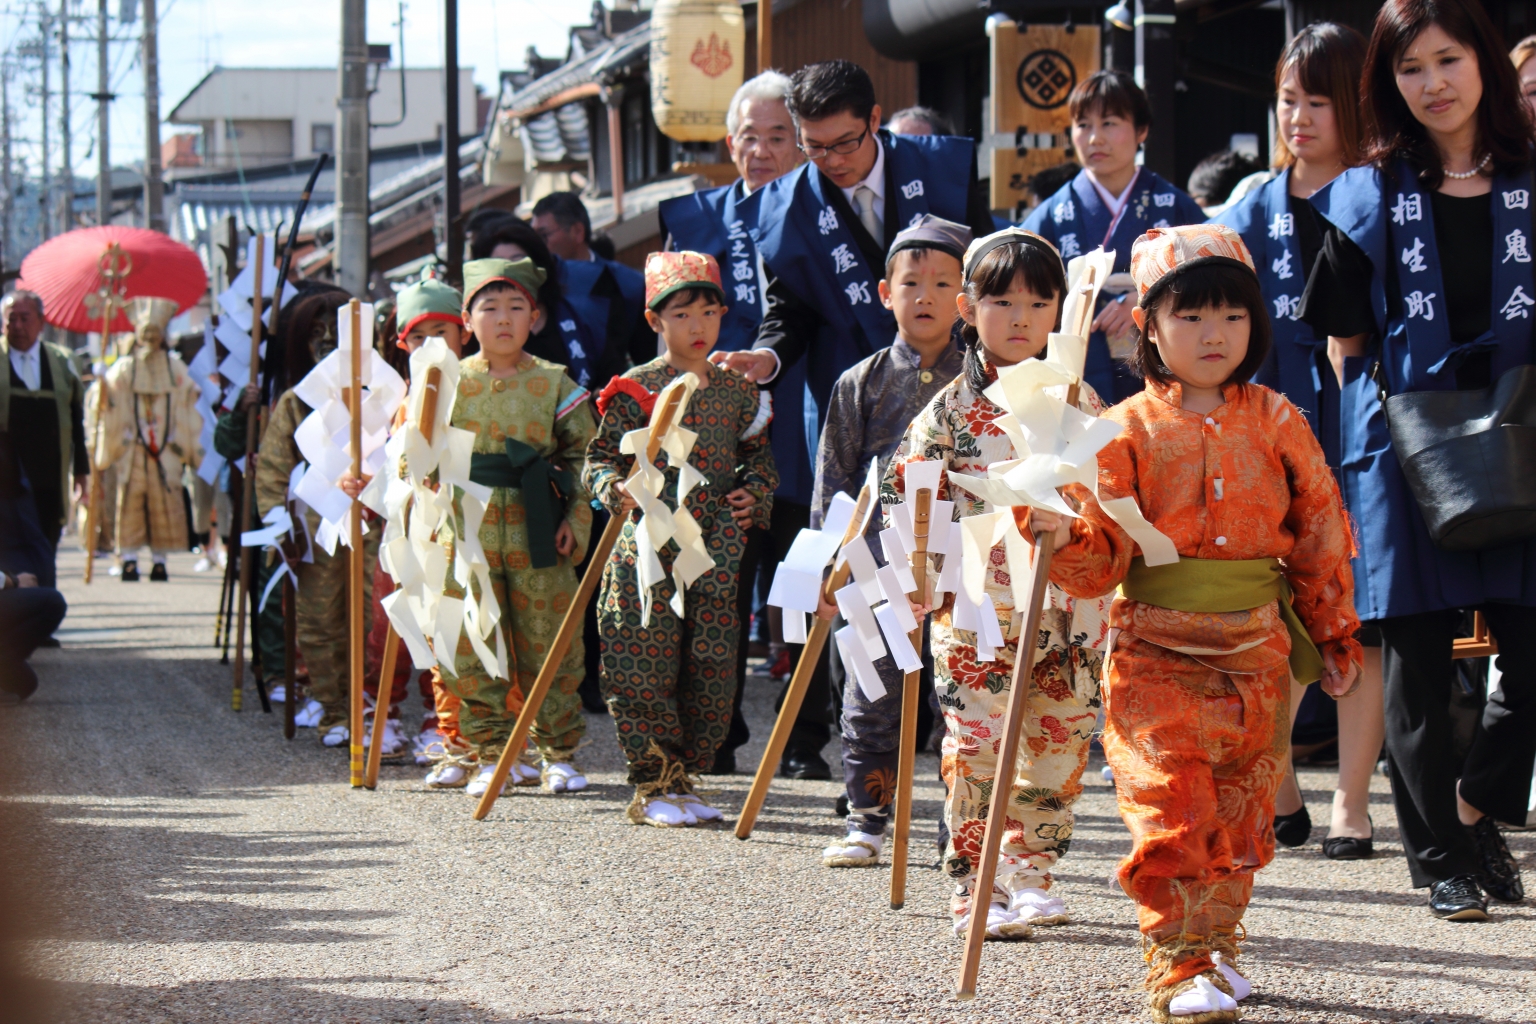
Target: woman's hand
pixel 565 538
pixel 1041 521
pixel 1338 684
pixel 741 502
pixel 627 504
pixel 1115 318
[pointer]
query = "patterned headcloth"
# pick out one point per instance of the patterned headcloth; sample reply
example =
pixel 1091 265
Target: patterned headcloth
pixel 930 232
pixel 1163 252
pixel 427 300
pixel 523 273
pixel 1008 236
pixel 667 272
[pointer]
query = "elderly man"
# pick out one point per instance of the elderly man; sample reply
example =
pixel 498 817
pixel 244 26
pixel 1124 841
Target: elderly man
pixel 919 121
pixel 42 405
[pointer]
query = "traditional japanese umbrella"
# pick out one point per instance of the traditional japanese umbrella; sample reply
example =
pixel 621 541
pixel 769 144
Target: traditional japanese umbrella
pixel 66 272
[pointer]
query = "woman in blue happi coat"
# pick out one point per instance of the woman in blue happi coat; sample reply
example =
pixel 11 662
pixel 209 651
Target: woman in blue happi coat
pixel 1317 137
pixel 1424 283
pixel 1111 202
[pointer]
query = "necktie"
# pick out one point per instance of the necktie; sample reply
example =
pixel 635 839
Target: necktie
pixel 864 199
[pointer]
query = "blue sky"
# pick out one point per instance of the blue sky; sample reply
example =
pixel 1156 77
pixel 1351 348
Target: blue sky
pixel 195 35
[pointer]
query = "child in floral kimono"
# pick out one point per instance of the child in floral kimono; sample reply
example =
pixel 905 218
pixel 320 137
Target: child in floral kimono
pixel 1196 697
pixel 670 683
pixel 1014 283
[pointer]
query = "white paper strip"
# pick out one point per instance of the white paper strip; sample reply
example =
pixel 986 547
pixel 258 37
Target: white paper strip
pixel 854 656
pixel 896 639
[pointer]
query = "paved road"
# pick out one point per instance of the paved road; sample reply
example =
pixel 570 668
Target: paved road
pixel 178 862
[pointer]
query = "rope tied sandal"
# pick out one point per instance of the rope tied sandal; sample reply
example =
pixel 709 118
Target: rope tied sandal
pixel 1002 924
pixel 1183 987
pixel 450 766
pixel 1224 952
pixel 558 771
pixel 656 802
pixel 859 850
pixel 1038 907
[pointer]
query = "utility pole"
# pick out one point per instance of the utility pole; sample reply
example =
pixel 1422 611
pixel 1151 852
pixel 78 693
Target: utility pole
pixel 352 151
pixel 46 192
pixel 67 198
pixel 453 236
pixel 154 188
pixel 103 121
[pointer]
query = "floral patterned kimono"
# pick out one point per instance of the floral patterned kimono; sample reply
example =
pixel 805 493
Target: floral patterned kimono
pixel 1197 703
pixel 957 429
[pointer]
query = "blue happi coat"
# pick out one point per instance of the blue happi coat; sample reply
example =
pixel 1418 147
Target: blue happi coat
pixel 1263 217
pixel 805 243
pixel 1399 571
pixel 579 281
pixel 1076 220
pixel 709 222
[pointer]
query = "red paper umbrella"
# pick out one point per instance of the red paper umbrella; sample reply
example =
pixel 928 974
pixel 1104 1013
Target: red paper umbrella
pixel 70 272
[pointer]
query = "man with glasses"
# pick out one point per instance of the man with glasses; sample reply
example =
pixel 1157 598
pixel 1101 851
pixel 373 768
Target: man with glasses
pixel 823 231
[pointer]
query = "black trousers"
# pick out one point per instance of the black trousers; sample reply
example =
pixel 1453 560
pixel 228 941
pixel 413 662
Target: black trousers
pixel 28 616
pixel 764 550
pixel 1496 774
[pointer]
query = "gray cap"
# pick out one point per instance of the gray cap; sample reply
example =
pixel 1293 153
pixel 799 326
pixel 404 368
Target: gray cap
pixel 930 232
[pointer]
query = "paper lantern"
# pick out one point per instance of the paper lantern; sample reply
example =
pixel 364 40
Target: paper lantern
pixel 696 65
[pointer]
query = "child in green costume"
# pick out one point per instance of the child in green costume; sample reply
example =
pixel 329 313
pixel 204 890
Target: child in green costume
pixel 531 426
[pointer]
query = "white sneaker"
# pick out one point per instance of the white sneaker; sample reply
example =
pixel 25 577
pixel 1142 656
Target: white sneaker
pixel 1203 997
pixel 563 778
pixel 450 773
pixel 336 736
pixel 1242 988
pixel 859 850
pixel 1038 907
pixel 425 741
pixel 308 717
pixel 695 808
pixel 482 781
pixel 203 564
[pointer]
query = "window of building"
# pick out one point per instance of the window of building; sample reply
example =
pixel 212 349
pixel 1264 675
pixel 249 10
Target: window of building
pixel 322 138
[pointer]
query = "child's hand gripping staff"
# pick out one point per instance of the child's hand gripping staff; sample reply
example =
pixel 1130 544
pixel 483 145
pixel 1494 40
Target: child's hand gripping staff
pixel 670 407
pixel 906 755
pixel 1057 445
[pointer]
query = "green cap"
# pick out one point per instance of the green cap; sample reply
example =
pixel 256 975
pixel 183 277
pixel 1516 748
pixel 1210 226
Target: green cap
pixel 524 273
pixel 428 300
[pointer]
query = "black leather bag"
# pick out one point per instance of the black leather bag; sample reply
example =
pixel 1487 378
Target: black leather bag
pixel 1470 458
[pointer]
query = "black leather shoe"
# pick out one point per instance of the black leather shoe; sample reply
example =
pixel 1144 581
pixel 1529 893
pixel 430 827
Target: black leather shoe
pixel 1458 899
pixel 157 573
pixel 1497 871
pixel 804 766
pixel 725 763
pixel 1293 829
pixel 130 572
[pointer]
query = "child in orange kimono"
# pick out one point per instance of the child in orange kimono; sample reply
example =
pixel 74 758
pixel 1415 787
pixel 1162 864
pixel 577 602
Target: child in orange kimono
pixel 1196 694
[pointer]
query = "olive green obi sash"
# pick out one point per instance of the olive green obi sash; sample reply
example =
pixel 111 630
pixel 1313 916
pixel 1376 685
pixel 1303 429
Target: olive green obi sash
pixel 1217 585
pixel 546 488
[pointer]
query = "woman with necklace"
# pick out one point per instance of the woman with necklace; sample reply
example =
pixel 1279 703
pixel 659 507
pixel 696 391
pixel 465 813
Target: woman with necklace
pixel 1424 283
pixel 1317 137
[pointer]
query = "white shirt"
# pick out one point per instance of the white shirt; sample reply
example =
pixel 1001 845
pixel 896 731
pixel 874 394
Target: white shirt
pixel 27 365
pixel 875 183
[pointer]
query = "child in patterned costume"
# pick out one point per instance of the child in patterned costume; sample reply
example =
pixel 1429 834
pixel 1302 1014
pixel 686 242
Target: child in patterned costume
pixel 1014 283
pixel 670 684
pixel 531 423
pixel 1197 692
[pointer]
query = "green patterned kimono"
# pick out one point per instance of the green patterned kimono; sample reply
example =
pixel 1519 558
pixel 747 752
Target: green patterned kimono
pixel 670 686
pixel 542 408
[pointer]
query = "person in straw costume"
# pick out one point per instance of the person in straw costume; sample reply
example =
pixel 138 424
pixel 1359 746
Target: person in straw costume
pixel 150 430
pixel 1196 695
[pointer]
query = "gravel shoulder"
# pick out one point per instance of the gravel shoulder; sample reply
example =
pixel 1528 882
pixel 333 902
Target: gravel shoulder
pixel 171 860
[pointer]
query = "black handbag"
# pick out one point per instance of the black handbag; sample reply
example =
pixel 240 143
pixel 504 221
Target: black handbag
pixel 1470 459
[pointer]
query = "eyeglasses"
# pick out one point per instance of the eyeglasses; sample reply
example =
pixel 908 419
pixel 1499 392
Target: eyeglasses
pixel 844 148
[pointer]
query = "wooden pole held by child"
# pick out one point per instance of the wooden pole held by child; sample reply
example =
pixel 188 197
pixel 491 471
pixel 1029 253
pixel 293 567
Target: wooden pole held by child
pixel 392 639
pixel 534 699
pixel 355 590
pixel 248 493
pixel 810 654
pixel 911 687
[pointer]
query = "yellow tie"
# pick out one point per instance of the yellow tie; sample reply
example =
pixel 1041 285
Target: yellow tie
pixel 864 198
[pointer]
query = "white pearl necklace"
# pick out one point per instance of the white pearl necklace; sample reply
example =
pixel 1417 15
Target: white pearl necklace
pixel 1464 175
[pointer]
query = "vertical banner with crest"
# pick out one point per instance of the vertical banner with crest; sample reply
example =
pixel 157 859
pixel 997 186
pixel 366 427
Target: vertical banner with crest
pixel 1034 69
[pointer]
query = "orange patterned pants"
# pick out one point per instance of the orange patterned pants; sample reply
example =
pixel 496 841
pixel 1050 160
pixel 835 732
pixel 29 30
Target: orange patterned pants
pixel 1198 756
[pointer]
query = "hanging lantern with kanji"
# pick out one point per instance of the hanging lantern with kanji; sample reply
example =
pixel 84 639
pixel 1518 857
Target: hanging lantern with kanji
pixel 696 66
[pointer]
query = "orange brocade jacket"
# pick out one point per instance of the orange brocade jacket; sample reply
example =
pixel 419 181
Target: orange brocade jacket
pixel 1246 481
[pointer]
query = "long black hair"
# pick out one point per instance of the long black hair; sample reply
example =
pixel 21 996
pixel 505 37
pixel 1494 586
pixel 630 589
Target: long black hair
pixel 994 274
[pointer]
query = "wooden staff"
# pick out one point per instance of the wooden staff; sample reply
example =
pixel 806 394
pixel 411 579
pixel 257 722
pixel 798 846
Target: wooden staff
pixel 392 639
pixel 911 687
pixel 1013 725
pixel 249 474
pixel 810 654
pixel 355 591
pixel 290 653
pixel 573 616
